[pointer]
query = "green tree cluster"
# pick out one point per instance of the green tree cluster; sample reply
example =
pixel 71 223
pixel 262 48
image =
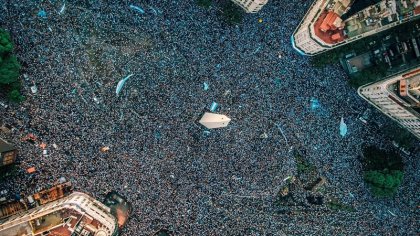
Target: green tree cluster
pixel 378 159
pixel 383 171
pixel 9 69
pixel 338 206
pixel 385 182
pixel 233 13
pixel 15 96
pixel 204 3
pixel 303 165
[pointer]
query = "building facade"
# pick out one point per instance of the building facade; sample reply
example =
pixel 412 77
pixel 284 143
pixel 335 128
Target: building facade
pixel 326 26
pixel 397 97
pixel 75 214
pixel 250 6
pixel 8 153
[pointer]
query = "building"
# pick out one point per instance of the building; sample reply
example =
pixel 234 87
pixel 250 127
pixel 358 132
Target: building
pixel 250 6
pixel 398 97
pixel 52 194
pixel 75 214
pixel 10 206
pixel 353 63
pixel 119 206
pixel 326 24
pixel 8 153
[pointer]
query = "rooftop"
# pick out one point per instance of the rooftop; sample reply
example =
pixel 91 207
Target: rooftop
pixel 407 91
pixel 62 222
pixel 5 147
pixel 371 18
pixel 326 30
pixel 77 215
pixel 331 29
pixel 119 206
pixel 53 193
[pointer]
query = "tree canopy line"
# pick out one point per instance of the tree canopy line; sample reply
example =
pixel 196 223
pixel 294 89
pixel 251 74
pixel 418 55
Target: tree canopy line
pixel 232 13
pixel 383 171
pixel 10 84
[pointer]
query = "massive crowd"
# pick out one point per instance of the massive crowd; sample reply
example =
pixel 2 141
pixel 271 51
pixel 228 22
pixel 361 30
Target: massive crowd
pixel 176 176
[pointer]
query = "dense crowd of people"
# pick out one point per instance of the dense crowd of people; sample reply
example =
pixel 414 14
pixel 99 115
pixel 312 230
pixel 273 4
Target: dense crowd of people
pixel 222 182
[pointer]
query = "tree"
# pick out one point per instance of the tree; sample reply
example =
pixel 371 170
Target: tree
pixel 233 13
pixel 15 96
pixel 383 171
pixel 6 45
pixel 9 68
pixel 204 3
pixel 375 177
pixel 384 183
pixel 378 159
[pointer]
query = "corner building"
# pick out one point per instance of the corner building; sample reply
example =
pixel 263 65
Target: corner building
pixel 251 6
pixel 326 24
pixel 76 214
pixel 398 97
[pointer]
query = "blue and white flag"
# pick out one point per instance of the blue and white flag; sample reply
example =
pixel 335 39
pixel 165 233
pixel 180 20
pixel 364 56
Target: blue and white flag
pixel 121 84
pixel 343 128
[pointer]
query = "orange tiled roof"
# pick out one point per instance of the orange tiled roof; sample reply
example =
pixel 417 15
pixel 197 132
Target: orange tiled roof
pixel 325 21
pixel 417 10
pixel 328 22
pixel 336 36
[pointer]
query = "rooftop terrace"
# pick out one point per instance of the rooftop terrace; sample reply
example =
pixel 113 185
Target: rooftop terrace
pixel 331 29
pixel 326 30
pixel 75 215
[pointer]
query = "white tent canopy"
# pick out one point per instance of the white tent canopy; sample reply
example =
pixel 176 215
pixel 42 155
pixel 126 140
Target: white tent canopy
pixel 212 121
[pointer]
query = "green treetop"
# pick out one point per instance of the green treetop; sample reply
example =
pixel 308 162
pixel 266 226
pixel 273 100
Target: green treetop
pixel 9 69
pixel 6 45
pixel 383 171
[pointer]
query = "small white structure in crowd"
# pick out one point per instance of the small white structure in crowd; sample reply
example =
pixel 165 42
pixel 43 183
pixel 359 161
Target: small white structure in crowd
pixel 34 89
pixel 212 121
pixel 343 128
pixel 251 6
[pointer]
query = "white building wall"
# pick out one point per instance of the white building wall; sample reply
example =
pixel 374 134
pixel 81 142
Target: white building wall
pixel 251 6
pixel 302 36
pixel 378 95
pixel 77 201
pixel 311 46
pixel 304 41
